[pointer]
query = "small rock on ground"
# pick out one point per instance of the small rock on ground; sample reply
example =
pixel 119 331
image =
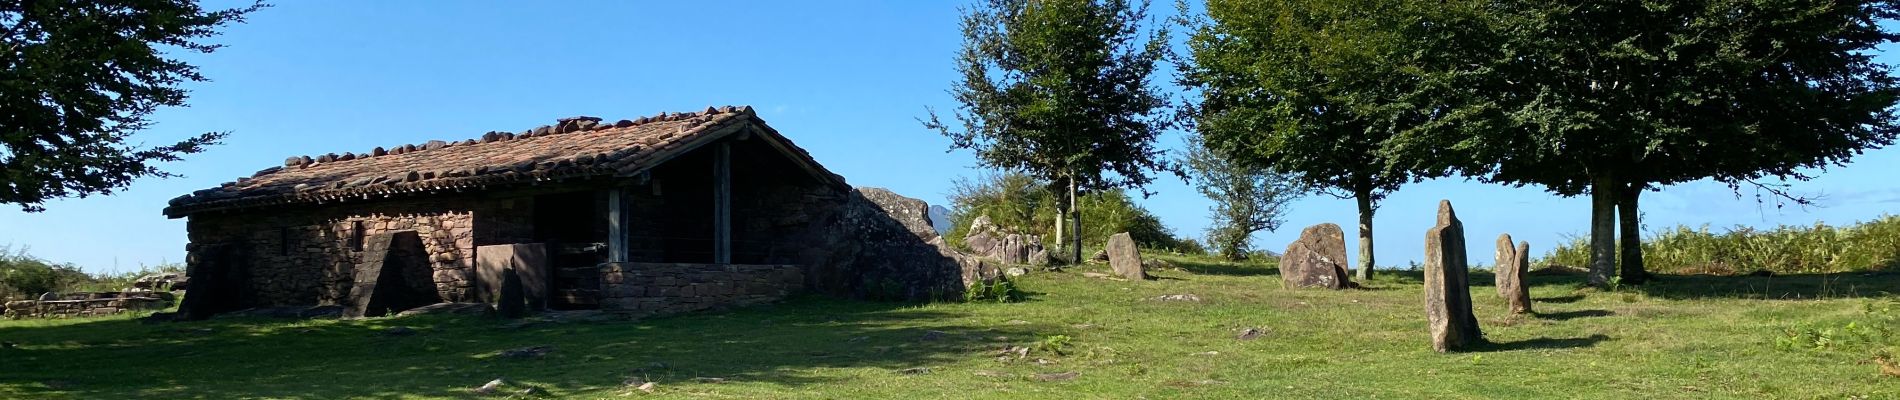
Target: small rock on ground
pixel 1250 334
pixel 490 387
pixel 914 371
pixel 1180 297
pixel 1057 377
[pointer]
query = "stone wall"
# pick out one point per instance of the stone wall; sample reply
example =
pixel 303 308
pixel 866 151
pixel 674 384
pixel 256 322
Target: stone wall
pixel 646 289
pixel 88 304
pixel 307 255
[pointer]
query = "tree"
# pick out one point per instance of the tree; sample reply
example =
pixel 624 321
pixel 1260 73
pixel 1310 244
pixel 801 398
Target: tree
pixel 1612 98
pixel 1247 199
pixel 80 78
pixel 1059 89
pixel 1313 88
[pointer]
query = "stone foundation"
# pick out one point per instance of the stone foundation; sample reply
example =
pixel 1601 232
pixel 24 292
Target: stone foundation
pixel 88 304
pixel 646 289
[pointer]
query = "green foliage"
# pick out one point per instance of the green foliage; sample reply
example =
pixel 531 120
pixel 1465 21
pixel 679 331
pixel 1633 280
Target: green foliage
pixel 1311 88
pixel 1875 333
pixel 1002 290
pixel 24 276
pixel 82 76
pixel 1247 198
pixel 1023 204
pixel 1058 344
pixel 1820 248
pixel 1059 89
pixel 1558 93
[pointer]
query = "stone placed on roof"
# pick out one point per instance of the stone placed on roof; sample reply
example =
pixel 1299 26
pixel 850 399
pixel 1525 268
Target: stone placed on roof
pixel 573 147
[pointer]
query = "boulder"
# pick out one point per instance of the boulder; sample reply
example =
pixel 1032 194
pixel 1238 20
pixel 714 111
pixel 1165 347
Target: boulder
pixel 1513 262
pixel 1447 290
pixel 1124 257
pixel 1316 260
pixel 162 281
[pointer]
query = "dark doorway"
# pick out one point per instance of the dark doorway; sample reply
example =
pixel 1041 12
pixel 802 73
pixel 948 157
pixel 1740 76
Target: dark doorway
pixel 574 227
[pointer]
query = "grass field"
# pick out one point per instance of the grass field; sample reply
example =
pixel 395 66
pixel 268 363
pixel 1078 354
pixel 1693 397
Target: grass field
pixel 1803 336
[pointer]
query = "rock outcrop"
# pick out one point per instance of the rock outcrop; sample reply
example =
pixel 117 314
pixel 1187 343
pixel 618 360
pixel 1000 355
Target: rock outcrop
pixel 1316 260
pixel 877 244
pixel 985 239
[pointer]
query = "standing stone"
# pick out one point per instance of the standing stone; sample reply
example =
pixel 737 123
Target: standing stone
pixel 512 303
pixel 1447 287
pixel 1316 260
pixel 1513 264
pixel 1124 257
pixel 1505 269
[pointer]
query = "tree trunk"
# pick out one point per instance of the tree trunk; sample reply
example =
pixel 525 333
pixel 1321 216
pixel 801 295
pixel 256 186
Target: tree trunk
pixel 1057 243
pixel 1076 220
pixel 1603 194
pixel 1632 239
pixel 1365 235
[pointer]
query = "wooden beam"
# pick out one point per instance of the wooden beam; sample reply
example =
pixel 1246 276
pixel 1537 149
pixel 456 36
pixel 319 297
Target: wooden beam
pixel 617 241
pixel 722 204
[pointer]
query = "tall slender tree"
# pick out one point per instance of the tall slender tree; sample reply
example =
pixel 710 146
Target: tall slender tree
pixel 1060 89
pixel 1313 88
pixel 1247 198
pixel 1612 98
pixel 79 77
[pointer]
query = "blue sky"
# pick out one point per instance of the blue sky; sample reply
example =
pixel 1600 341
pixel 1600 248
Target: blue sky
pixel 844 79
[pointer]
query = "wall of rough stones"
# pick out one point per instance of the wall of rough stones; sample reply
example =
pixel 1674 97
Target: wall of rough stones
pixel 646 289
pixel 88 304
pixel 306 255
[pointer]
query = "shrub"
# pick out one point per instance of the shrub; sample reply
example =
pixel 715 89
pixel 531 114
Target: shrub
pixel 1023 204
pixel 1002 290
pixel 24 276
pixel 1819 248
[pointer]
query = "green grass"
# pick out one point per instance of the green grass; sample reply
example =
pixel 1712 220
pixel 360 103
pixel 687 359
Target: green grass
pixel 1682 337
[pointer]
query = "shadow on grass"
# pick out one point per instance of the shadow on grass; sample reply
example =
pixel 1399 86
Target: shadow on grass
pixel 1777 287
pixel 1209 267
pixel 250 358
pixel 1541 344
pixel 1570 315
pixel 1560 299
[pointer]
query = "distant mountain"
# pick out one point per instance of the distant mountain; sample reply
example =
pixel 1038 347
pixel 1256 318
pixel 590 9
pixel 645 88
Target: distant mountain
pixel 940 219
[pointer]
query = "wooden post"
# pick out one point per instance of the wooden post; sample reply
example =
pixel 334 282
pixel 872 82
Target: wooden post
pixel 617 225
pixel 722 204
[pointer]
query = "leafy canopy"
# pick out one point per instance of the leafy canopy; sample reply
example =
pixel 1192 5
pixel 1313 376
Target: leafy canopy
pixel 1662 92
pixel 80 78
pixel 1311 87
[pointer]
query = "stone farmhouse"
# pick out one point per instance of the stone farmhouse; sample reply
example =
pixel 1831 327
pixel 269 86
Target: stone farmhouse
pixel 670 213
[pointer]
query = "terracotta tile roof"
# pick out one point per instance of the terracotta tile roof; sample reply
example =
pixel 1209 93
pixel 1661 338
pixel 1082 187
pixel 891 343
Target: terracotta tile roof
pixel 575 147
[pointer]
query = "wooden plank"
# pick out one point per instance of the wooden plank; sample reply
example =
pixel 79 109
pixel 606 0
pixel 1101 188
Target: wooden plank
pixel 722 204
pixel 617 213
